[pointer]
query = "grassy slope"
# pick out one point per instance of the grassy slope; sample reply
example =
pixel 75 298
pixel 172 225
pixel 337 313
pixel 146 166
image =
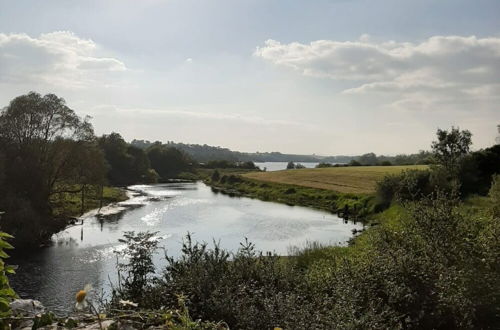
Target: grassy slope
pixel 352 179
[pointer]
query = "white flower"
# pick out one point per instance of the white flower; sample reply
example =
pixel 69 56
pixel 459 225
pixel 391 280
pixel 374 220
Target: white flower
pixel 81 297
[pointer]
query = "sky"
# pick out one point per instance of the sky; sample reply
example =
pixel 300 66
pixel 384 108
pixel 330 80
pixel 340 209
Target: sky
pixel 324 77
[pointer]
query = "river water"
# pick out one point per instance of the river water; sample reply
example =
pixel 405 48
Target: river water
pixel 85 253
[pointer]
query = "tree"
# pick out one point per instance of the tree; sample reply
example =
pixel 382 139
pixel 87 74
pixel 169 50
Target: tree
pixel 368 159
pixel 42 138
pixel 290 166
pixel 128 164
pixel 119 161
pixel 451 147
pixel 168 162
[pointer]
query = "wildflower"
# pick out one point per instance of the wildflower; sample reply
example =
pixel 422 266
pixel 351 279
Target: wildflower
pixel 128 303
pixel 81 296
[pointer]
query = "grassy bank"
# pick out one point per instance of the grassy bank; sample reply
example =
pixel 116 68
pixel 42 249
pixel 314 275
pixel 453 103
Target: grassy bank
pixel 356 205
pixel 352 179
pixel 67 205
pixel 345 190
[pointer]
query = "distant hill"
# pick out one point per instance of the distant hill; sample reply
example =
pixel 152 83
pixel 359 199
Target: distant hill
pixel 204 153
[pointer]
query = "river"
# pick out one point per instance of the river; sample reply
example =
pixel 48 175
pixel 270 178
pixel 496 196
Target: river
pixel 84 253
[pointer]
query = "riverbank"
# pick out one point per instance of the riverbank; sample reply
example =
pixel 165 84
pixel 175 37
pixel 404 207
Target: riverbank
pixel 347 191
pixel 346 205
pixel 67 206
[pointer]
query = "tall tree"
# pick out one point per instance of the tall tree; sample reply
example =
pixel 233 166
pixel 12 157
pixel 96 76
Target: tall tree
pixel 451 147
pixel 41 137
pixel 168 162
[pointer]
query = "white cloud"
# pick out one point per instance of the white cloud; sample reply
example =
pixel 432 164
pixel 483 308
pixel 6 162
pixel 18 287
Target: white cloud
pixel 445 69
pixel 59 59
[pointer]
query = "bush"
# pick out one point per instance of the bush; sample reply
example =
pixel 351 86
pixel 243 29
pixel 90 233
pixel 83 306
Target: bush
pixel 410 185
pixel 215 176
pixel 6 292
pixel 136 269
pixel 495 195
pixel 323 165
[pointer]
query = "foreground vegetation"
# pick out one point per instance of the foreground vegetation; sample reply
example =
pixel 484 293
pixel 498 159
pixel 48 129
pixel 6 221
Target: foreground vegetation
pixel 351 179
pixel 429 264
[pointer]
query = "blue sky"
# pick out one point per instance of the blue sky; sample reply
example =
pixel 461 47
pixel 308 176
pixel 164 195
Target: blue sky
pixel 324 77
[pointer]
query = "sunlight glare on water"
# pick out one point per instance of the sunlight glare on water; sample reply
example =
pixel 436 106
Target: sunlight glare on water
pixel 85 253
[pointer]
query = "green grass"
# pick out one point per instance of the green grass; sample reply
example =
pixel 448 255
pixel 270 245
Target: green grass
pixel 351 179
pixel 234 185
pixel 66 205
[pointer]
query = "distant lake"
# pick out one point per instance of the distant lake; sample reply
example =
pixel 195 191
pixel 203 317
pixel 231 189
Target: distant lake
pixel 278 166
pixel 84 253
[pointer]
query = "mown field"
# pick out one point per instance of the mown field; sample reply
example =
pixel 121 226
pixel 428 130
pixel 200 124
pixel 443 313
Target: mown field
pixel 352 179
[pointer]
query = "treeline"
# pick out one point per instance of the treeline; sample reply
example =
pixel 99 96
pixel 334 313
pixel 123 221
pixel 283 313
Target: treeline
pixel 128 164
pixel 371 159
pixel 205 153
pixel 454 169
pixel 224 164
pixel 48 153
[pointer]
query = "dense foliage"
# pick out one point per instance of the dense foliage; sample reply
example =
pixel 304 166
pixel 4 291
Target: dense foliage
pixel 228 164
pixel 455 167
pixel 46 149
pixel 6 292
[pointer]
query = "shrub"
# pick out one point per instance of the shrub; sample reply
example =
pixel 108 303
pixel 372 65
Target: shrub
pixel 6 292
pixel 323 165
pixel 495 195
pixel 215 176
pixel 410 185
pixel 354 163
pixel 234 179
pixel 136 269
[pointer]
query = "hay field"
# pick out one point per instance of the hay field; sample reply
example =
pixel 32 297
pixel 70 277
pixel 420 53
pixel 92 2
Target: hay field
pixel 352 179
